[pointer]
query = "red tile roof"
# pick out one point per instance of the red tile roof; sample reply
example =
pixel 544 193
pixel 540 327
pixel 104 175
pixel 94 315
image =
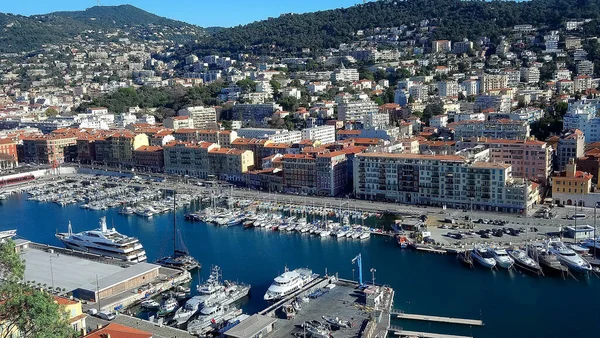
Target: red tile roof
pixel 118 331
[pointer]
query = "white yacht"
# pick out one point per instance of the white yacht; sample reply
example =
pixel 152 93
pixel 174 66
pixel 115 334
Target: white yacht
pixel 484 257
pixel 105 242
pixel 568 257
pixel 502 258
pixel 211 314
pixel 184 313
pixel 289 282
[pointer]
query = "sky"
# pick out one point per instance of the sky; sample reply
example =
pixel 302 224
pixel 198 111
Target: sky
pixel 205 13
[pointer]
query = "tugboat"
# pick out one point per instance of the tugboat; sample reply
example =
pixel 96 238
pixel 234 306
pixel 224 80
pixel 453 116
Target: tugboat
pixel 181 258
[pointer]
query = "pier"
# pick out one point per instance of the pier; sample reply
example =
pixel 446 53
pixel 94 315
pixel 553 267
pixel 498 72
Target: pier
pixel 437 319
pixel 404 333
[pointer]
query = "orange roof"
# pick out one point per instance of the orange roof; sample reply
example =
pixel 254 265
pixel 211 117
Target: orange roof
pixel 490 165
pixel 298 156
pixel 332 154
pixel 6 141
pixel 185 131
pixel 149 148
pixel 64 301
pixel 453 158
pixel 118 331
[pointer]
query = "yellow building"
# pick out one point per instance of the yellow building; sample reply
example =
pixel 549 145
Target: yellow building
pixel 573 187
pixel 123 144
pixel 73 313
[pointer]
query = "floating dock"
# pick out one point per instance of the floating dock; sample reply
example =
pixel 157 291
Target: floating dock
pixel 401 332
pixel 437 319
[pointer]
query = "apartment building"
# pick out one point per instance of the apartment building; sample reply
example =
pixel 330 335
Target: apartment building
pixel 256 146
pixel 530 159
pixel 322 134
pixel 582 83
pixel 441 46
pixel 582 115
pixel 122 145
pixel 255 114
pixel 179 122
pixel 573 187
pixel 8 150
pixel 203 117
pixel 356 110
pixel 47 149
pixel 204 160
pixel 299 173
pixel 585 67
pixel 332 173
pixel 506 129
pixel 376 120
pixel 448 89
pixel 571 145
pixel 275 135
pixel 149 158
pixel 441 180
pixel 530 74
pixel 493 82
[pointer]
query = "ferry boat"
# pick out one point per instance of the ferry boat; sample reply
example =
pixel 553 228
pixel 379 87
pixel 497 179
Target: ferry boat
pixel 105 242
pixel 289 282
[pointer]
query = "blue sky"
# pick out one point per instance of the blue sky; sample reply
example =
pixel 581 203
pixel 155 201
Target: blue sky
pixel 200 12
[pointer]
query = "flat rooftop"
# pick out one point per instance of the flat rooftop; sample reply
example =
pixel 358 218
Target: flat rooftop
pixel 120 276
pixel 70 272
pixel 343 301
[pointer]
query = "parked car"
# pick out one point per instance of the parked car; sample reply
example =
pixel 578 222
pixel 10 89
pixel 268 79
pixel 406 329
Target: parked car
pixel 106 315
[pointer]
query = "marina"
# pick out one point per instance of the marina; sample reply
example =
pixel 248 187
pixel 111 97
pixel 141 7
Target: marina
pixel 402 315
pixel 227 246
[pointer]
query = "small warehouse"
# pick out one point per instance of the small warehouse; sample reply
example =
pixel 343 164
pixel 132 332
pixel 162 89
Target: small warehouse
pixel 580 232
pixel 118 282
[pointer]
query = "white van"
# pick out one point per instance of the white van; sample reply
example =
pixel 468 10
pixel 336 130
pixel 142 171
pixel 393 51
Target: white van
pixel 106 315
pixel 578 216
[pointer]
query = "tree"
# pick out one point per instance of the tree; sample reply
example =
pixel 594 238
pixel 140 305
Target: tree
pixel 24 309
pixel 227 125
pixel 247 85
pixel 51 112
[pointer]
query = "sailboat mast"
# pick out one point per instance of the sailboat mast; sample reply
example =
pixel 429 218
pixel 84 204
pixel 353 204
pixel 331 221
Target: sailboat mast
pixel 174 223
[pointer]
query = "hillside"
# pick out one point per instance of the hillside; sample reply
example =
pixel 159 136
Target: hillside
pixel 453 19
pixel 21 34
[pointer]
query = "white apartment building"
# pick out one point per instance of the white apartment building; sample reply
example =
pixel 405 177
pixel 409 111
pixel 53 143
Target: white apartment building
pixel 571 145
pixel 462 47
pixel 562 74
pixel 275 135
pixel 204 117
pixel 491 82
pixel 582 115
pixel 585 67
pixel 291 92
pixel 345 75
pixel 376 120
pixel 438 121
pixel 356 110
pixel 441 46
pixel 582 83
pixel 512 130
pixel 530 74
pixel 513 77
pixel 448 89
pixel 471 87
pixel 441 180
pixel 323 134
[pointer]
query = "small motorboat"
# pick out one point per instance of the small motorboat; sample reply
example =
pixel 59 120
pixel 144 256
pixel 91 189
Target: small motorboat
pixel 484 257
pixel 150 304
pixel 524 262
pixel 502 258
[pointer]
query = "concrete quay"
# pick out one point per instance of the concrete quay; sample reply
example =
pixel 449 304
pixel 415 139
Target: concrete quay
pixel 405 333
pixel 438 319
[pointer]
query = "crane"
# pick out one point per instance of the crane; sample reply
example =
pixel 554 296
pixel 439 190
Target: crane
pixel 358 261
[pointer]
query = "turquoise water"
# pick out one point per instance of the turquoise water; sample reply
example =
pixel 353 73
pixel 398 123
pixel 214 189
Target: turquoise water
pixel 510 303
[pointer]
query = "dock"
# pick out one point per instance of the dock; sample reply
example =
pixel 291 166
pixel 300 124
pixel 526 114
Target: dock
pixel 401 332
pixel 430 249
pixel 437 319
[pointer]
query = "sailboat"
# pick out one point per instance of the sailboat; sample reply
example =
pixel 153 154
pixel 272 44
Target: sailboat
pixel 181 258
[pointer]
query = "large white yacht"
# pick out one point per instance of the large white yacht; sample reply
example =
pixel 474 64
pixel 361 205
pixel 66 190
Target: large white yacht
pixel 289 282
pixel 568 257
pixel 104 242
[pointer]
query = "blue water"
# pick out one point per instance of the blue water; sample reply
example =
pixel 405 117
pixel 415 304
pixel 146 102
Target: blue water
pixel 510 303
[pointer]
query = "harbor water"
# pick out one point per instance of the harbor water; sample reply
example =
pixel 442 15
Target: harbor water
pixel 511 304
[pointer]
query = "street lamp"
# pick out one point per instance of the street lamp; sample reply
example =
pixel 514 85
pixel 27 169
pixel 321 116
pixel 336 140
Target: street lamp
pixel 373 270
